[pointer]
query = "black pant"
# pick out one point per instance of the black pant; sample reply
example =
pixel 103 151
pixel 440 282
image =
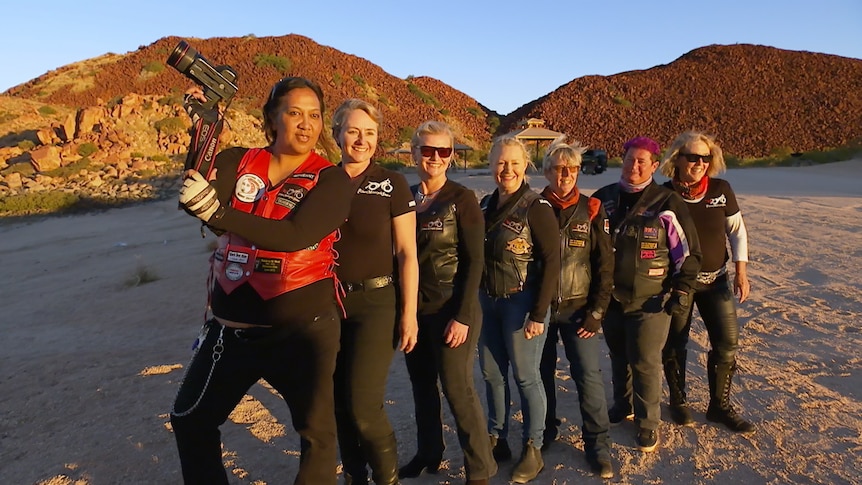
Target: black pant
pixel 717 309
pixel 297 360
pixel 368 340
pixel 431 358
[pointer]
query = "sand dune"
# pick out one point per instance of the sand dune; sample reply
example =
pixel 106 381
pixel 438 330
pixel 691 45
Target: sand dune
pixel 90 361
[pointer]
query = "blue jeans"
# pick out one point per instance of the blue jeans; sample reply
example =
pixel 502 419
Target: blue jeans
pixel 635 341
pixel 502 342
pixel 583 356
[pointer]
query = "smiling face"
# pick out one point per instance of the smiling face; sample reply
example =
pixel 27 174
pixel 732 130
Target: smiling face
pixel 638 166
pixel 358 137
pixel 563 177
pixel 298 122
pixel 692 172
pixel 508 166
pixel 435 166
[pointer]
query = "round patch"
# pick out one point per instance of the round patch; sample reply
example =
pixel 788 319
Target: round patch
pixel 249 188
pixel 233 271
pixel 518 246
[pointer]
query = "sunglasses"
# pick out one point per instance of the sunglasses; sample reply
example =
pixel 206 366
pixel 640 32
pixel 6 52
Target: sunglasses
pixel 559 169
pixel 428 151
pixel 694 157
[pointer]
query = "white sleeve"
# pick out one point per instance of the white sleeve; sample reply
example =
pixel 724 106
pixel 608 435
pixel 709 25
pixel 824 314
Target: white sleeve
pixel 734 226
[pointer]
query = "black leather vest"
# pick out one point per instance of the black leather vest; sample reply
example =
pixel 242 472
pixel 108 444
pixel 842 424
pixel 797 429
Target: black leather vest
pixel 643 267
pixel 575 269
pixel 509 262
pixel 437 250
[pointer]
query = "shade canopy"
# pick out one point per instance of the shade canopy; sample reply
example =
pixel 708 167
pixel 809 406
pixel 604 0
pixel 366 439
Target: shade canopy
pixel 534 130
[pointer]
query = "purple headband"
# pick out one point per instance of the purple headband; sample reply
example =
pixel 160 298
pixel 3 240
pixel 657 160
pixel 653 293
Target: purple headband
pixel 643 143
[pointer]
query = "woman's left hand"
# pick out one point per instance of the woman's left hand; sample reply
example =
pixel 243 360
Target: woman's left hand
pixel 741 287
pixel 409 333
pixel 455 333
pixel 533 329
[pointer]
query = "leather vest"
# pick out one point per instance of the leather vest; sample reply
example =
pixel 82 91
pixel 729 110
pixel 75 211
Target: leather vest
pixel 575 268
pixel 437 250
pixel 236 261
pixel 643 267
pixel 509 262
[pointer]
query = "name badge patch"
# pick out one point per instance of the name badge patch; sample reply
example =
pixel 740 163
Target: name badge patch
pixel 267 265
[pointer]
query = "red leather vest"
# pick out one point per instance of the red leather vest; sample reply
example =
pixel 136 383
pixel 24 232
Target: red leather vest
pixel 271 273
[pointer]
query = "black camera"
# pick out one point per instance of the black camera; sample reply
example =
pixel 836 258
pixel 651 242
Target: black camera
pixel 217 81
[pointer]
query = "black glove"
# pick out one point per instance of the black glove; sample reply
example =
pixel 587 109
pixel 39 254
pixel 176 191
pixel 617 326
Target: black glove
pixel 678 304
pixel 591 323
pixel 198 197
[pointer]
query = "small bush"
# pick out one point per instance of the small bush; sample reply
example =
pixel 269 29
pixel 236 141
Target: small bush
pixel 281 64
pixel 444 112
pixel 6 117
pixel 358 80
pixel 493 124
pixel 172 99
pixel 71 169
pixel 620 100
pixel 337 79
pixel 154 67
pixel 25 169
pixel 170 126
pixel 475 111
pixel 142 276
pixel 137 155
pixel 425 97
pixel 87 149
pixel 160 158
pixel 37 202
pixel 47 111
pixel 26 145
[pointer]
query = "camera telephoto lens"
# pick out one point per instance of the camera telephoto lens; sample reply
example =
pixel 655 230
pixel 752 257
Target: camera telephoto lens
pixel 182 57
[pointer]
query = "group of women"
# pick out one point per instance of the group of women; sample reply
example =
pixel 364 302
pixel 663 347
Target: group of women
pixel 322 272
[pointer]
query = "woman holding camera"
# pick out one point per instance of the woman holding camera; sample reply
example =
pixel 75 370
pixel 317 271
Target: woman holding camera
pixel 277 211
pixel 380 276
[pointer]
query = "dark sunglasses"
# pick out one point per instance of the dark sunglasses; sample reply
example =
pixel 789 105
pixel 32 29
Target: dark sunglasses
pixel 428 151
pixel 694 157
pixel 559 169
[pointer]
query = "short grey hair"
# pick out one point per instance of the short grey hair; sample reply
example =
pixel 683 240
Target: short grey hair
pixel 570 154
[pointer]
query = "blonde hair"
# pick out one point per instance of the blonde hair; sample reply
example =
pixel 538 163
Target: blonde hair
pixel 432 127
pixel 508 140
pixel 570 154
pixel 717 165
pixel 344 110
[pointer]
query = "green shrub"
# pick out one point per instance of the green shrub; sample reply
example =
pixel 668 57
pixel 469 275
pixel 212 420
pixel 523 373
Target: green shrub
pixel 444 112
pixel 6 117
pixel 174 98
pixel 25 169
pixel 47 111
pixel 154 67
pixel 493 123
pixel 141 276
pixel 475 111
pixel 337 79
pixel 425 97
pixel 71 169
pixel 87 149
pixel 358 80
pixel 137 155
pixel 620 100
pixel 37 202
pixel 26 145
pixel 172 125
pixel 281 64
pixel 160 158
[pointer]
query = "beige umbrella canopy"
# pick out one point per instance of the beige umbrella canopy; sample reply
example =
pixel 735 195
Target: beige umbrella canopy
pixel 533 129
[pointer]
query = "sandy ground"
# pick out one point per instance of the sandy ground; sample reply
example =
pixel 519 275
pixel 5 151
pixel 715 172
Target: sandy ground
pixel 90 359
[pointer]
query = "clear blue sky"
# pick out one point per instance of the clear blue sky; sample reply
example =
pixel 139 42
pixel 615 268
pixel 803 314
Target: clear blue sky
pixel 504 53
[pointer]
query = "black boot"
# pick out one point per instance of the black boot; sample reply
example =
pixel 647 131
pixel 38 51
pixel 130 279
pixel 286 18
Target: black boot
pixel 421 462
pixel 720 410
pixel 674 373
pixel 530 465
pixel 355 479
pixel 500 449
pixel 383 459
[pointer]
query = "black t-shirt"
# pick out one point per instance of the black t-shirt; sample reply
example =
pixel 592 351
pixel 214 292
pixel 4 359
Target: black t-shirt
pixel 320 212
pixel 365 249
pixel 710 217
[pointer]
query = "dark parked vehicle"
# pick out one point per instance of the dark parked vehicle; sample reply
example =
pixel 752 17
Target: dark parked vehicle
pixel 594 162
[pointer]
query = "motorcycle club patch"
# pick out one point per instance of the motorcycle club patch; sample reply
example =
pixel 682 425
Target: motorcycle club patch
pixel 647 254
pixel 249 188
pixel 656 271
pixel 720 201
pixel 607 226
pixel 518 246
pixel 289 196
pixel 237 257
pixel 513 225
pixel 383 188
pixel 267 265
pixel 650 233
pixel 233 271
pixel 432 225
pixel 584 227
pixel 577 243
pixel 649 245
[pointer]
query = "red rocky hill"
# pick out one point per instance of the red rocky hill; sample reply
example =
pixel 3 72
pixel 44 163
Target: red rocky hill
pixel 755 99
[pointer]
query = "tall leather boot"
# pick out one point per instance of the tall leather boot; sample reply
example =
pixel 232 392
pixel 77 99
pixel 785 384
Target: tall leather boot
pixel 383 459
pixel 720 410
pixel 674 373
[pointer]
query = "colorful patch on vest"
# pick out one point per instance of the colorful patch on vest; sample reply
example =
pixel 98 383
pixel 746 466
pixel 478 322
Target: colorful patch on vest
pixel 649 245
pixel 650 233
pixel 647 254
pixel 607 226
pixel 249 188
pixel 518 246
pixel 267 265
pixel 577 243
pixel 432 225
pixel 233 271
pixel 583 227
pixel 513 225
pixel 237 257
pixel 290 196
pixel 656 271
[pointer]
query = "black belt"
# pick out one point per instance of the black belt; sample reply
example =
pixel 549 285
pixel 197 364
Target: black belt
pixel 369 284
